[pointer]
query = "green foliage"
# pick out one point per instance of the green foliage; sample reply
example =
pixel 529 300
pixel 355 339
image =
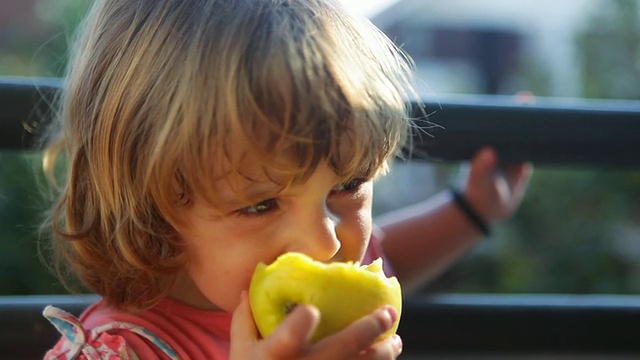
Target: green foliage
pixel 567 227
pixel 609 49
pixel 21 203
pixel 568 236
pixel 22 193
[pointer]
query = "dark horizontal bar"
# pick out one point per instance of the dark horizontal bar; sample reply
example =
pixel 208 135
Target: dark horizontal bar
pixel 503 324
pixel 550 131
pixel 454 324
pixel 26 107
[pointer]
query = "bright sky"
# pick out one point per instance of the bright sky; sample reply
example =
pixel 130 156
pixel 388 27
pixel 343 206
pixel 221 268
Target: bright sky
pixel 367 7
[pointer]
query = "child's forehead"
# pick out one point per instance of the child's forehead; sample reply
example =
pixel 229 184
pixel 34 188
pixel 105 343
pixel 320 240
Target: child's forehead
pixel 245 170
pixel 236 191
pixel 263 154
pixel 240 184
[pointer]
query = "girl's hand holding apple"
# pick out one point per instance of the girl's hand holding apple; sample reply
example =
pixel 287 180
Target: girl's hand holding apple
pixel 310 310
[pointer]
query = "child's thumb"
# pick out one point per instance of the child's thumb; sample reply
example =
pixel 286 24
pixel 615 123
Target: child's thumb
pixel 243 330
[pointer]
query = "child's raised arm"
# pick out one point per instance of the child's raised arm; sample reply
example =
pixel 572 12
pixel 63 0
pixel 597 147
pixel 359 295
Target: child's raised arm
pixel 422 240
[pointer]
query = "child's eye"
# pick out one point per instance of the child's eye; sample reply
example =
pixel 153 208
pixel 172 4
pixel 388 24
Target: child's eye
pixel 350 185
pixel 259 209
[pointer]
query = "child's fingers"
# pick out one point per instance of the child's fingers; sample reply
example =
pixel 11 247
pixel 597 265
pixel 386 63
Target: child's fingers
pixel 390 348
pixel 518 175
pixel 519 181
pixel 485 160
pixel 291 337
pixel 356 340
pixel 486 174
pixel 479 169
pixel 243 329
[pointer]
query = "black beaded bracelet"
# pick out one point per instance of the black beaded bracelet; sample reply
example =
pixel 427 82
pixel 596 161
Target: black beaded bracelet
pixel 469 212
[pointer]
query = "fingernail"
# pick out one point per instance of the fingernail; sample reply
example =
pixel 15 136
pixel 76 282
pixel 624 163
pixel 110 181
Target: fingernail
pixel 397 343
pixel 388 317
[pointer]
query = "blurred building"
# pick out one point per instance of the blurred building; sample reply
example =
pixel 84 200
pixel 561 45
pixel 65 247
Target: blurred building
pixel 481 47
pixel 490 46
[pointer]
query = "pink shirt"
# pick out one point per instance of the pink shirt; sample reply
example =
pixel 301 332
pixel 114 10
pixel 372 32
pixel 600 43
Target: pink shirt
pixel 192 333
pixel 169 330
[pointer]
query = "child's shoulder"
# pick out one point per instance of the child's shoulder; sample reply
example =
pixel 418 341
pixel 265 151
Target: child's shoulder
pixel 169 330
pixel 107 339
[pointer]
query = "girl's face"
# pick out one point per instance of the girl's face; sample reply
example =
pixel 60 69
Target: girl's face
pixel 325 219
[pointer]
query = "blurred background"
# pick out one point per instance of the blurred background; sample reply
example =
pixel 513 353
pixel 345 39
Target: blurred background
pixel 578 230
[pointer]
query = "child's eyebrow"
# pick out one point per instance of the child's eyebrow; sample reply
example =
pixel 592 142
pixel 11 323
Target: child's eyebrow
pixel 250 194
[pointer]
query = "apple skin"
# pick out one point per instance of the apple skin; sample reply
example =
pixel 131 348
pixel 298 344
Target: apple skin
pixel 343 292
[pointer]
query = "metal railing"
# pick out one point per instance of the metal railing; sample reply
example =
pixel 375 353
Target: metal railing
pixel 555 132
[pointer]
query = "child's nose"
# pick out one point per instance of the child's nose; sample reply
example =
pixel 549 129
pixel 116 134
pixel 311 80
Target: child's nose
pixel 316 236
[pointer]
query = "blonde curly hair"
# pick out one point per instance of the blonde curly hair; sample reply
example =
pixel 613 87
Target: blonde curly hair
pixel 160 93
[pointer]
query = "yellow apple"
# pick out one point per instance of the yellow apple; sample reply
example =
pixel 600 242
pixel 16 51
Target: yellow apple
pixel 342 291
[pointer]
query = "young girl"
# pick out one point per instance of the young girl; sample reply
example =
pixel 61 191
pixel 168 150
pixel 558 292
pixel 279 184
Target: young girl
pixel 204 136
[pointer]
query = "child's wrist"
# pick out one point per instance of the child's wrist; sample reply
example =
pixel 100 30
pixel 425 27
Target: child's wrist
pixel 470 212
